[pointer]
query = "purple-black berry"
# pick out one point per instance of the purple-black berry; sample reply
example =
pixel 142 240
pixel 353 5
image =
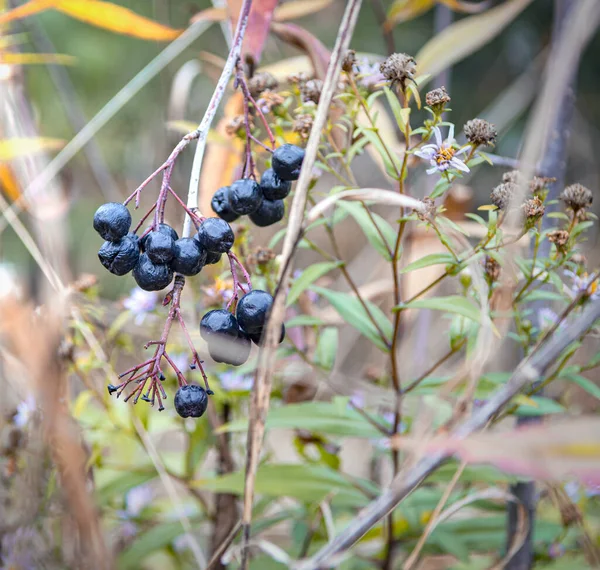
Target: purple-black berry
pixel 253 310
pixel 215 235
pixel 287 161
pixel 221 206
pixel 112 221
pixel 258 338
pixel 273 187
pixel 233 352
pixel 163 229
pixel 245 196
pixel 191 401
pixel 212 257
pixel 151 276
pixel 189 257
pixel 159 247
pixel 269 213
pixel 121 256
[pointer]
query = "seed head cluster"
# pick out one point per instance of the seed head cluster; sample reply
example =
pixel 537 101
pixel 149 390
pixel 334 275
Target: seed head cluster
pixel 437 99
pixel 260 82
pixel 480 133
pixel 311 90
pixel 502 194
pixel 303 125
pixel 577 197
pixel 349 61
pixel 399 68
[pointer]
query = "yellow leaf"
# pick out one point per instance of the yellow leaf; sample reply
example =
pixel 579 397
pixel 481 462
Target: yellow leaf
pixel 9 183
pixel 466 36
pixel 12 148
pixel 299 8
pixel 468 7
pixel 403 10
pixel 27 9
pixel 523 400
pixel 116 19
pixel 15 58
pixel 487 207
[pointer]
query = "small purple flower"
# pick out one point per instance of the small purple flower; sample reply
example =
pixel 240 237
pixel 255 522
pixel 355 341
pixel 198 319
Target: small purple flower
pixel 442 155
pixel 556 550
pixel 312 296
pixel 547 318
pixel 25 410
pixel 234 382
pixel 369 74
pixel 140 303
pixel 357 399
pixel 582 285
pixel 137 499
pixel 573 491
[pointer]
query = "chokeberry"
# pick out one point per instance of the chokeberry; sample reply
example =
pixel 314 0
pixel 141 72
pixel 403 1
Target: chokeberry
pixel 235 352
pixel 269 213
pixel 159 247
pixel 258 338
pixel 112 221
pixel 245 196
pixel 212 257
pixel 215 235
pixel 163 229
pixel 273 187
pixel 287 161
pixel 221 206
pixel 189 257
pixel 252 311
pixel 121 256
pixel 191 401
pixel 218 322
pixel 151 276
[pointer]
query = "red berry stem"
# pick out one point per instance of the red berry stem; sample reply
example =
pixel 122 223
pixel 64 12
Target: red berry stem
pixel 241 266
pixel 146 216
pixel 195 217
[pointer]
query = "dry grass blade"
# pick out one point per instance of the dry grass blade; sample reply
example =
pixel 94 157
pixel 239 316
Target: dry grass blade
pixel 262 388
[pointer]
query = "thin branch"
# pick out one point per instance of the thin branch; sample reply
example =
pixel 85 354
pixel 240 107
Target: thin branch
pixel 528 370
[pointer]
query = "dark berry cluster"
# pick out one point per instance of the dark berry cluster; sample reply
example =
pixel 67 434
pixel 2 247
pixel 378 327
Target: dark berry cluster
pixel 263 202
pixel 160 252
pixel 229 337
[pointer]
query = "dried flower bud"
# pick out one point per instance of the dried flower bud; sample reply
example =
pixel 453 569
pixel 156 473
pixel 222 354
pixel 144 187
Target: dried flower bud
pixel 303 125
pixel 502 194
pixel 399 68
pixel 349 61
pixel 237 126
pixel 533 208
pixel 268 101
pixel 539 183
pixel 579 259
pixel 513 176
pixel 492 269
pixel 263 256
pixel 437 99
pixel 559 238
pixel 577 197
pixel 479 132
pixel 311 90
pixel 430 209
pixel 298 78
pixel 261 82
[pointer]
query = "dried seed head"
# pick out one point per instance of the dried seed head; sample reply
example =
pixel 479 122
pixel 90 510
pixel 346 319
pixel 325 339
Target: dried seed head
pixel 533 209
pixel 261 82
pixel 492 269
pixel 311 90
pixel 303 125
pixel 513 176
pixel 269 100
pixel 559 238
pixel 479 132
pixel 349 61
pixel 399 68
pixel 502 194
pixel 437 99
pixel 237 126
pixel 539 183
pixel 298 78
pixel 577 197
pixel 430 209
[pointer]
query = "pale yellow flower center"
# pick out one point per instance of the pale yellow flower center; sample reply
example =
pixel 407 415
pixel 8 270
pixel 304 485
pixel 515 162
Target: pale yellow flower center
pixel 445 154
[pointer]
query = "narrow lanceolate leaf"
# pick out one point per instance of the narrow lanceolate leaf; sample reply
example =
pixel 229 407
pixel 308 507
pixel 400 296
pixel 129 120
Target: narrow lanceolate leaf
pixel 13 58
pixel 13 148
pixel 27 9
pixel 465 36
pixel 298 9
pixel 353 312
pixel 327 347
pixel 452 304
pixel 428 260
pixel 403 10
pixel 308 277
pixel 585 383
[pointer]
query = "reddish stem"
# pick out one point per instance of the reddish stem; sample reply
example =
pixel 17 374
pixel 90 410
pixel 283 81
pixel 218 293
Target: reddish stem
pixel 195 217
pixel 146 215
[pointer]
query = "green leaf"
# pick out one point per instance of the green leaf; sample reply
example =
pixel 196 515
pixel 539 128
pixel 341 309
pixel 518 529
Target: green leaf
pixel 352 311
pixel 583 382
pixel 373 226
pixel 450 543
pixel 543 406
pixel 303 321
pixel 392 168
pixel 123 483
pixel 428 260
pixel 466 36
pixel 307 483
pixel 452 304
pixel 448 222
pixel 309 276
pixel 327 347
pixel 401 115
pixel 335 418
pixel 541 295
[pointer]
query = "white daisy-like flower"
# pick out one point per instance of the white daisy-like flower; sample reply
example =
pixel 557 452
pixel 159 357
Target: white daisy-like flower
pixel 442 155
pixel 369 74
pixel 140 303
pixel 584 284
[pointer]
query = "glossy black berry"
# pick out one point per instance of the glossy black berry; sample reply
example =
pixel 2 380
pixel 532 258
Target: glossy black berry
pixel 245 196
pixel 287 161
pixel 258 338
pixel 253 310
pixel 212 257
pixel 189 257
pixel 112 221
pixel 269 213
pixel 273 187
pixel 191 401
pixel 159 247
pixel 151 276
pixel 121 256
pixel 163 229
pixel 215 235
pixel 218 322
pixel 221 207
pixel 234 352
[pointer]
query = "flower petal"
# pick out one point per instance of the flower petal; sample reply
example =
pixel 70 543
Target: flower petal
pixel 438 136
pixel 432 170
pixel 462 150
pixel 459 165
pixel 450 138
